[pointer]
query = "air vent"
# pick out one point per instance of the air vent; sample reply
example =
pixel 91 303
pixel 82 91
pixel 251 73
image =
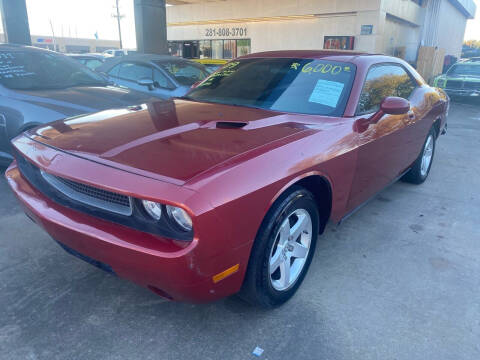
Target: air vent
pixel 230 124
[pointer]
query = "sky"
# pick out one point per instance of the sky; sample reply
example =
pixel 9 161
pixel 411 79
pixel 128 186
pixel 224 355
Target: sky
pixel 85 17
pixel 473 26
pixel 82 19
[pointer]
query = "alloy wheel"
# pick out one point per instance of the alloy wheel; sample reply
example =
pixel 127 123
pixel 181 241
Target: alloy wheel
pixel 290 250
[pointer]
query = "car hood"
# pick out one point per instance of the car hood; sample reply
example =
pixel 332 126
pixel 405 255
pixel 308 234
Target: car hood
pixel 172 140
pixel 461 78
pixel 81 100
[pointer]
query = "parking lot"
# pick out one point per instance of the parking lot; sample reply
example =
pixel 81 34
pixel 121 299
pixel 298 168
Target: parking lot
pixel 400 279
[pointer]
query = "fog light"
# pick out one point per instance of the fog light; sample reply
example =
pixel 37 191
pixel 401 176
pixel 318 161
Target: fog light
pixel 180 217
pixel 153 209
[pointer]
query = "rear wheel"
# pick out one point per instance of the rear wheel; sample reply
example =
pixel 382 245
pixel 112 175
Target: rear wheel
pixel 421 167
pixel 283 249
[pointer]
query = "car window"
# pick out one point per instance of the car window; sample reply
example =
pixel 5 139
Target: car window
pixel 160 79
pixel 92 63
pixel 114 70
pixel 464 70
pixel 186 73
pixel 284 84
pixel 29 70
pixel 135 71
pixel 383 81
pixel 119 53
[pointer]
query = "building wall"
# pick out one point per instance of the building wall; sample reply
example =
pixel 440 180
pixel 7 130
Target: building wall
pixel 401 39
pixel 316 19
pixel 231 9
pixel 400 27
pixel 65 44
pixel 451 29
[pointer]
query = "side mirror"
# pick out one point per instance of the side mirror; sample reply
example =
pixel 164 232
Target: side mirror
pixel 395 105
pixel 391 105
pixel 146 82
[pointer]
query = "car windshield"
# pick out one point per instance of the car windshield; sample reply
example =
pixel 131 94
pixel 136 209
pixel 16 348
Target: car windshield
pixel 288 85
pixel 32 70
pixel 464 70
pixel 185 73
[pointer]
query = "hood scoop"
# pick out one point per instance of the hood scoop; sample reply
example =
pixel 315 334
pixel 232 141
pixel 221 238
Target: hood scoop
pixel 230 124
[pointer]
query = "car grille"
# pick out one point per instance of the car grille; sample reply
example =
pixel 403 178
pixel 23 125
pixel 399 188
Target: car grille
pixel 472 85
pixel 90 195
pixel 454 84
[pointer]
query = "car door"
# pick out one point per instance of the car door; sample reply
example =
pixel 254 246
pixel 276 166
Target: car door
pixel 381 151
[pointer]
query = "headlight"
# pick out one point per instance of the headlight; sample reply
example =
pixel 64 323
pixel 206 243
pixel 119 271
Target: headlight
pixel 441 83
pixel 153 209
pixel 180 217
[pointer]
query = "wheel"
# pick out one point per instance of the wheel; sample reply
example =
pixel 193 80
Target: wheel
pixel 283 249
pixel 421 167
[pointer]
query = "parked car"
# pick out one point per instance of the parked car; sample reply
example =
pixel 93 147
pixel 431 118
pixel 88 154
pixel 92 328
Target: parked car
pixel 462 79
pixel 118 52
pixel 226 189
pixel 92 61
pixel 211 65
pixel 157 75
pixel 38 86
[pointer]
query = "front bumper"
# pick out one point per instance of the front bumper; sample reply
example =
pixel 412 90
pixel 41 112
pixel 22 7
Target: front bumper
pixel 176 271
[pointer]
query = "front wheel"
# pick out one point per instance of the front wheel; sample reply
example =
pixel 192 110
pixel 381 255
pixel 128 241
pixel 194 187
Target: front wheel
pixel 421 167
pixel 283 249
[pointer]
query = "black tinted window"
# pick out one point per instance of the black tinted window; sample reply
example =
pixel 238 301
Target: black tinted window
pixel 134 71
pixel 383 81
pixel 27 70
pixel 92 63
pixel 160 79
pixel 465 70
pixel 291 85
pixel 186 73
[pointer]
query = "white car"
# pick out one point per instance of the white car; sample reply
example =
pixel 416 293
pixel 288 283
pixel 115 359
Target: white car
pixel 118 52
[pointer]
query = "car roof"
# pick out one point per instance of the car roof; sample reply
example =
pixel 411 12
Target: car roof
pixel 111 62
pixel 87 55
pixel 308 54
pixel 13 47
pixel 469 62
pixel 356 57
pixel 148 58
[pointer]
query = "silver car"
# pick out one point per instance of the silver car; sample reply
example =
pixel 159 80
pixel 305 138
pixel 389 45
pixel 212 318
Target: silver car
pixel 157 75
pixel 38 86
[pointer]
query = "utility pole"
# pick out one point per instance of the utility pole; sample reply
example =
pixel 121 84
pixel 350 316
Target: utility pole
pixel 118 17
pixel 53 36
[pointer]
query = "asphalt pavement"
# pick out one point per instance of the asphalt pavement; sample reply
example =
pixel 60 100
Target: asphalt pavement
pixel 399 279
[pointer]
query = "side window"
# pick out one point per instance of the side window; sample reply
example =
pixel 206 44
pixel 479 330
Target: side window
pixel 115 70
pixel 134 71
pixel 92 63
pixel 383 81
pixel 160 79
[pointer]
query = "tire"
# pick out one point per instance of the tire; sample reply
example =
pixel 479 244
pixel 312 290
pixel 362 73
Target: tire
pixel 296 209
pixel 420 170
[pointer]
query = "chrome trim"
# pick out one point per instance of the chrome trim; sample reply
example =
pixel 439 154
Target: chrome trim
pixel 86 199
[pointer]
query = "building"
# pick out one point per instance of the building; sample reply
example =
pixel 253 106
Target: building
pixel 230 28
pixel 71 45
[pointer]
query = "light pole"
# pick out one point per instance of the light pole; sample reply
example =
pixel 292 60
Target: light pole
pixel 118 17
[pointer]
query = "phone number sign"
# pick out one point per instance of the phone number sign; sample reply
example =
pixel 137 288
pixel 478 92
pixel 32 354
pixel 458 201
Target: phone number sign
pixel 234 32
